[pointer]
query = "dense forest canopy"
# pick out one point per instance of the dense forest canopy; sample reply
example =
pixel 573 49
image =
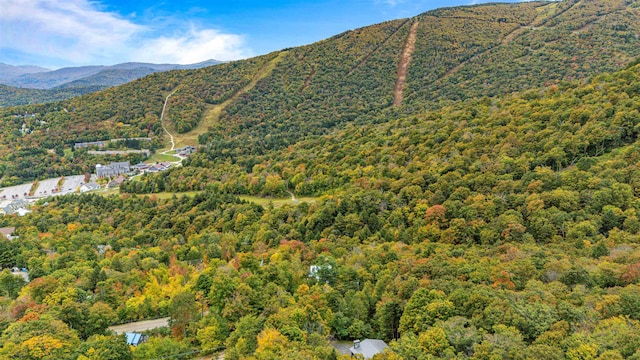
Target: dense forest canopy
pixel 495 214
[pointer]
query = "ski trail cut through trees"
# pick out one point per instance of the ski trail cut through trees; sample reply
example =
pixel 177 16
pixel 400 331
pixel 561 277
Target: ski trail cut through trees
pixel 509 38
pixel 307 81
pixel 403 65
pixel 386 40
pixel 166 100
pixel 212 113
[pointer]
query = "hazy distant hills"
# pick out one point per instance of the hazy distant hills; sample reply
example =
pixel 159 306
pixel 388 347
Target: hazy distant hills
pixel 110 75
pixel 9 72
pixel 72 81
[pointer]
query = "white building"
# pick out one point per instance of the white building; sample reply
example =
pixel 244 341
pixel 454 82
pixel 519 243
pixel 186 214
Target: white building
pixel 89 187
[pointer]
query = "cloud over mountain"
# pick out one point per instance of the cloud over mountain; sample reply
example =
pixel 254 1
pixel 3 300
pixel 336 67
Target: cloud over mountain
pixel 82 32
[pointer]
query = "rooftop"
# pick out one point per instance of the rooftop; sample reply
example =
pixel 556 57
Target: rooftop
pixel 7 231
pixel 368 347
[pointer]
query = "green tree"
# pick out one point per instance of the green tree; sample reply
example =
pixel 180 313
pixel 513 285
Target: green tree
pixel 160 347
pixel 243 340
pixel 183 310
pixel 504 343
pixel 434 341
pixel 388 313
pixel 212 333
pixel 101 347
pixel 10 284
pixel 100 317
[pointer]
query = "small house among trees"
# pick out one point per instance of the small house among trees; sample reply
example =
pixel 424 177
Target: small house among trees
pixel 8 232
pixel 135 339
pixel 367 347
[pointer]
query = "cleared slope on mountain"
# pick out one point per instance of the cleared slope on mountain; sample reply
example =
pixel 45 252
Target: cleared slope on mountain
pixel 403 64
pixel 211 112
pixel 459 53
pixel 542 52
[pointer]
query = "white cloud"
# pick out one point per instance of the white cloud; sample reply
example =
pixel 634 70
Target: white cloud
pixel 194 46
pixel 80 32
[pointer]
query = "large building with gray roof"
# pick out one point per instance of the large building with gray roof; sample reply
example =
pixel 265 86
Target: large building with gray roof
pixel 113 169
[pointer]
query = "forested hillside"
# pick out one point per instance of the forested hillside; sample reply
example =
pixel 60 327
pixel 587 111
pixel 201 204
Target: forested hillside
pixel 458 53
pixel 10 95
pixel 461 223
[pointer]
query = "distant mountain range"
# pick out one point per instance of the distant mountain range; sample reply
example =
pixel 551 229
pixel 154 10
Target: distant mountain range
pixel 52 85
pixel 10 72
pixel 34 77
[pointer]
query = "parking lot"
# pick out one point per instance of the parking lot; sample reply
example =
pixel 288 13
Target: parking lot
pixel 46 187
pixel 15 192
pixel 72 183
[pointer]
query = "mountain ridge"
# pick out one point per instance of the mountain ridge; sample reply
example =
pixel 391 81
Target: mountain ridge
pixel 8 71
pixel 54 78
pixel 54 85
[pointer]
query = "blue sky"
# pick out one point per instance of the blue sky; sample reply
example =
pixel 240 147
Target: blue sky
pixel 58 33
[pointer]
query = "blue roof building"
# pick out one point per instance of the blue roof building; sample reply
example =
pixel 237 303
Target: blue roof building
pixel 135 339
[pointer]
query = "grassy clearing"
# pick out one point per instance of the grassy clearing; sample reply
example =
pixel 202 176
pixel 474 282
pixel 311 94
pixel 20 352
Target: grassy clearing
pixel 277 202
pixel 212 114
pixel 169 195
pixel 262 201
pixel 108 192
pixel 161 195
pixel 158 157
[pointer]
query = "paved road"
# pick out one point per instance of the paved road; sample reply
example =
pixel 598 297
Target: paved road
pixel 140 325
